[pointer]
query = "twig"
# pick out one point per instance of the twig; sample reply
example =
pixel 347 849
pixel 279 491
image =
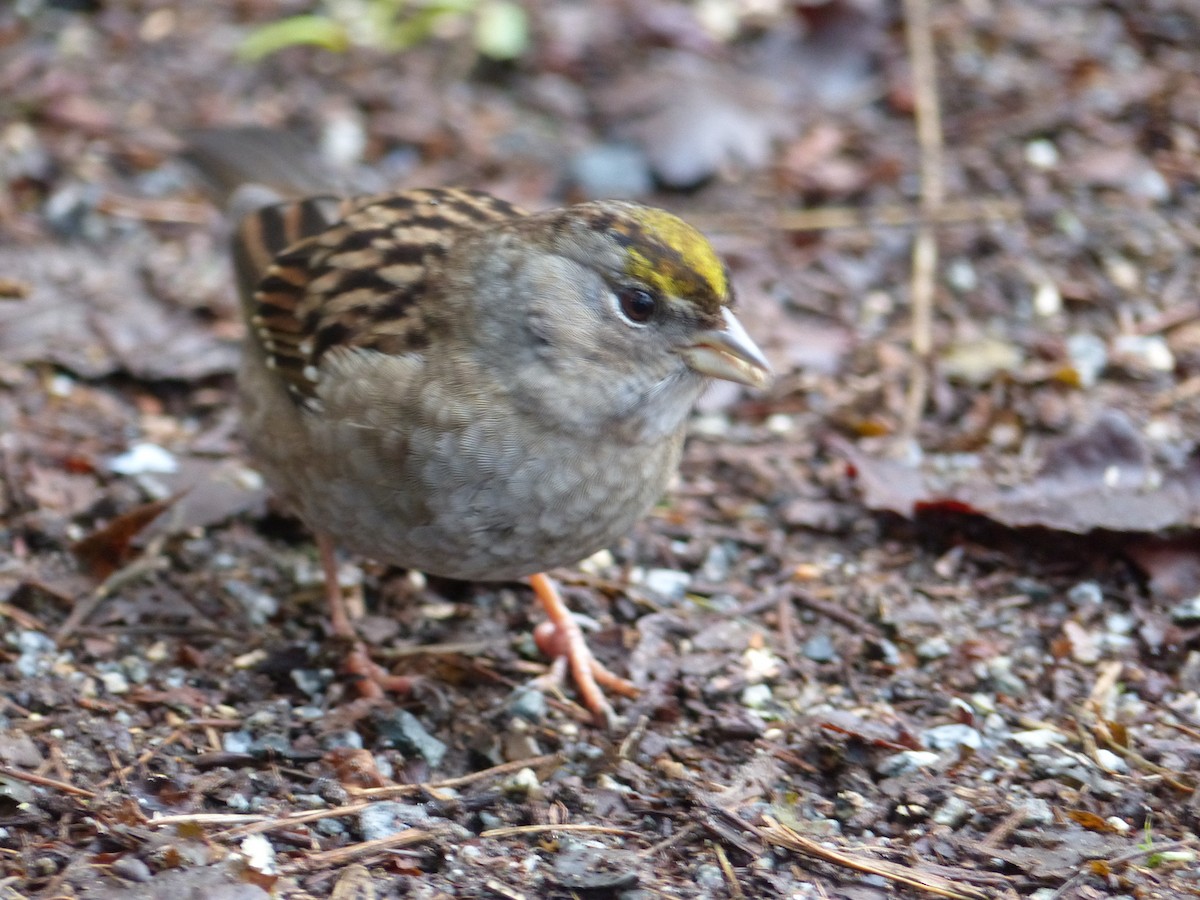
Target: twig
pixel 43 781
pixel 927 110
pixel 580 828
pixel 207 819
pixel 342 855
pixel 777 833
pixel 301 818
pixel 404 790
pixel 848 218
pixel 735 889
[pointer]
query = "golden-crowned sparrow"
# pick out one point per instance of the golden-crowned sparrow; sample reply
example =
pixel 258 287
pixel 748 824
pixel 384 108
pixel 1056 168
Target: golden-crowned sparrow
pixel 441 381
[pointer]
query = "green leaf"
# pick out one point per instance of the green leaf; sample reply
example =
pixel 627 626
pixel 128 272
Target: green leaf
pixel 316 31
pixel 501 30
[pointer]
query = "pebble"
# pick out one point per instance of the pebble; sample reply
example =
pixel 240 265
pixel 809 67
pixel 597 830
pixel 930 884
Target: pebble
pixel 933 648
pixel 259 606
pixel 947 737
pixel 1047 299
pixel 1187 612
pixel 115 682
pixel 144 459
pixel 1111 762
pixel 311 681
pixel 1041 154
pixel 37 653
pixel 1005 681
pixel 961 275
pixel 953 813
pixel 528 703
pixel 331 827
pixel 670 584
pixel 710 876
pixel 388 817
pixel 761 664
pixel 237 741
pixel 819 648
pixel 1085 593
pixel 1038 738
pixel 717 562
pixel 523 783
pixel 1089 357
pixel 756 696
pixel 131 869
pixel 618 171
pixel 906 761
pixel 406 733
pixel 1037 812
pixel 1145 351
pixel 259 853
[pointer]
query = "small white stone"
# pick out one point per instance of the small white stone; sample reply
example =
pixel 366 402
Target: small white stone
pixel 61 385
pixel 524 782
pixel 954 812
pixel 761 664
pixel 947 737
pixel 1111 762
pixel 756 696
pixel 1039 738
pixel 1041 154
pixel 906 761
pixel 115 682
pixel 259 853
pixel 1047 299
pixel 1089 357
pixel 961 275
pixel 1149 350
pixel 669 583
pixel 780 423
pixel 934 648
pixel 144 458
pixel 1119 825
pixel 1037 812
pixel 598 562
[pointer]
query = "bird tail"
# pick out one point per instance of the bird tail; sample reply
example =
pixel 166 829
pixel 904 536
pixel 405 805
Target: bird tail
pixel 273 188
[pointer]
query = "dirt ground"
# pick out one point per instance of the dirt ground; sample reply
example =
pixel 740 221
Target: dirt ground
pixel 922 620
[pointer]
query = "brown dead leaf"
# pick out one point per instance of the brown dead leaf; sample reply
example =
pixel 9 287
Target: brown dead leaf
pixel 94 318
pixel 356 768
pixel 1171 565
pixel 1100 479
pixel 1089 820
pixel 104 551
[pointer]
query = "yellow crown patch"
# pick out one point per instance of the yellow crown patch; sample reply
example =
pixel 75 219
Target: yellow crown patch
pixel 673 257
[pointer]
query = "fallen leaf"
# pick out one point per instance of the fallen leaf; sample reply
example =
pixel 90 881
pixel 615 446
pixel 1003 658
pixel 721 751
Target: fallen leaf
pixel 104 551
pixel 95 318
pixel 1102 478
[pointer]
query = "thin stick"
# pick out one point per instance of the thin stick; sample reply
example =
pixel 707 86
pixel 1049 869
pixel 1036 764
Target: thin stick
pixel 927 109
pixel 777 833
pixel 580 828
pixel 43 781
pixel 404 790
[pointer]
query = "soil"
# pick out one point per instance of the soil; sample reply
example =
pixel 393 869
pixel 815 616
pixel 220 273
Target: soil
pixel 922 619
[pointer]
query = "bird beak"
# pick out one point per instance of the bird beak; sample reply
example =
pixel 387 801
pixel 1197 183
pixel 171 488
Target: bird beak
pixel 728 353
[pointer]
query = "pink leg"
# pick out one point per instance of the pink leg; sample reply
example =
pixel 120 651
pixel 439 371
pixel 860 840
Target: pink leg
pixel 564 638
pixel 373 679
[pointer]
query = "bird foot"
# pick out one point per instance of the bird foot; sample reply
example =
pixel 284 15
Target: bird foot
pixel 562 639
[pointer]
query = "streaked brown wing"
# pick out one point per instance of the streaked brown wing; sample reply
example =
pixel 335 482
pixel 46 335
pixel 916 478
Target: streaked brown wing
pixel 351 282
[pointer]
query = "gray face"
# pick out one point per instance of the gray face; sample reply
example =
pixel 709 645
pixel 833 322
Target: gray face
pixel 571 357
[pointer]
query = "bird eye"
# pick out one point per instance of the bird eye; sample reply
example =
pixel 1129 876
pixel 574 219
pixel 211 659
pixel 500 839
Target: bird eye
pixel 638 304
